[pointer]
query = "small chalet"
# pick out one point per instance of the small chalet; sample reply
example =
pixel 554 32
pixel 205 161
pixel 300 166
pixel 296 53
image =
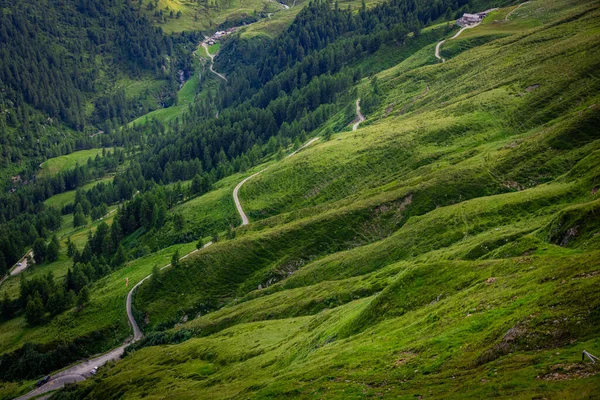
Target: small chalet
pixel 469 19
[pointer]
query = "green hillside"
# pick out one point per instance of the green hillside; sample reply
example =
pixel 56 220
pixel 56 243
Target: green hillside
pixel 447 247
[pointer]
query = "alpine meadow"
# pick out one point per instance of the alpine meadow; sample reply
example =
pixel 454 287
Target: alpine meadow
pixel 313 199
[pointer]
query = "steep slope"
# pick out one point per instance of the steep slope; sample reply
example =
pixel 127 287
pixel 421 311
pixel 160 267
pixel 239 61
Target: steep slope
pixel 69 67
pixel 448 248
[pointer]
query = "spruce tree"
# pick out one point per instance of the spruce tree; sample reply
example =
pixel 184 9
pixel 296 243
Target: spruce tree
pixel 175 259
pixel 39 250
pixel 34 310
pixel 53 249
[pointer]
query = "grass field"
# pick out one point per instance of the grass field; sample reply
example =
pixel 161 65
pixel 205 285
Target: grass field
pixel 64 163
pixel 204 16
pixel 445 249
pixel 448 248
pixel 60 200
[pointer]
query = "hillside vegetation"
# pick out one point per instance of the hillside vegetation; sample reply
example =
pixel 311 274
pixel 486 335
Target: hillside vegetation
pixel 447 248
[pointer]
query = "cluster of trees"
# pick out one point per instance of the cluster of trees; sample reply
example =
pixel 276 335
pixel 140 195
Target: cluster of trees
pixel 45 62
pixel 43 252
pixel 49 73
pixel 33 360
pixel 21 232
pixel 41 298
pixel 28 197
pixel 103 250
pixel 25 220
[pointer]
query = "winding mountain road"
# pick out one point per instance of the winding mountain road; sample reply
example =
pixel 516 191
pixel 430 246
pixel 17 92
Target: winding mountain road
pixel 82 370
pixel 439 45
pixel 212 61
pixel 236 197
pixel 361 117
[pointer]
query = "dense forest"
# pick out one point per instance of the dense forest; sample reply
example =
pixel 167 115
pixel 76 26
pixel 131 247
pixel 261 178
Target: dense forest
pixel 276 93
pixel 55 58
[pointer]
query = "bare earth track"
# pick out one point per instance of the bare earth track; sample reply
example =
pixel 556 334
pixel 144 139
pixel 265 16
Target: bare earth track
pixel 81 371
pixel 212 59
pixel 236 198
pixel 439 45
pixel 359 115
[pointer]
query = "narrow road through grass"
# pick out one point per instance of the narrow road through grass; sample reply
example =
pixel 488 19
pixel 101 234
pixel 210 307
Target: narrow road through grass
pixel 236 198
pixel 361 117
pixel 439 45
pixel 212 61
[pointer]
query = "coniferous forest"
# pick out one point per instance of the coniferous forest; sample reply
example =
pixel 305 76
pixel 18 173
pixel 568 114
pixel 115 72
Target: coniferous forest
pixel 311 198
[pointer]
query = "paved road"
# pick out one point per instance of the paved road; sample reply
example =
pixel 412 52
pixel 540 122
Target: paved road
pixel 236 198
pixel 16 269
pixel 212 61
pixel 439 45
pixel 361 117
pixel 81 371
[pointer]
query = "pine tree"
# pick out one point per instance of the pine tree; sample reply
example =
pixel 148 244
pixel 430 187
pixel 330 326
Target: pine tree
pixel 7 308
pixel 175 259
pixel 39 250
pixel 56 301
pixel 155 280
pixel 120 257
pixel 179 222
pixel 83 297
pixel 53 249
pixel 79 218
pixel 34 310
pixel 71 248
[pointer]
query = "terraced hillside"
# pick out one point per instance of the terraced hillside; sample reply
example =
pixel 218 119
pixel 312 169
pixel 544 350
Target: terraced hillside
pixel 447 248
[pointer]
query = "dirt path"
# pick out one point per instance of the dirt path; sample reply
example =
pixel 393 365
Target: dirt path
pixel 212 61
pixel 82 370
pixel 439 45
pixel 361 117
pixel 311 141
pixel 513 10
pixel 236 197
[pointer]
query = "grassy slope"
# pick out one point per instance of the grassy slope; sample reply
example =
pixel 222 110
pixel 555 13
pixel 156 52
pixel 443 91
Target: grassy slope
pixel 64 163
pixel 377 260
pixel 445 252
pixel 62 199
pixel 208 213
